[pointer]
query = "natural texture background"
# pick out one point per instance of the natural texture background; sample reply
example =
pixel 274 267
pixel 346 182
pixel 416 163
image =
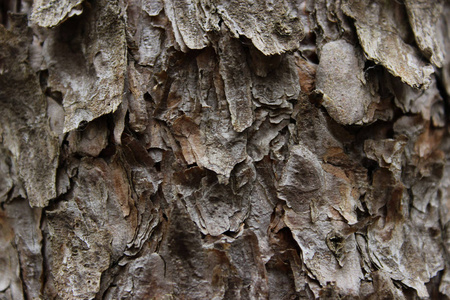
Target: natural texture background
pixel 214 149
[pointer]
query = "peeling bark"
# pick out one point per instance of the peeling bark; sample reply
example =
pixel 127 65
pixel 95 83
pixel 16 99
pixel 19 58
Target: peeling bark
pixel 204 149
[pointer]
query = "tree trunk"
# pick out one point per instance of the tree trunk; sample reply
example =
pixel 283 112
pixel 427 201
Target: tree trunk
pixel 184 149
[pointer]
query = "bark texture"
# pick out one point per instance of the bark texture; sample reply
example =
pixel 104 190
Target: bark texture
pixel 212 149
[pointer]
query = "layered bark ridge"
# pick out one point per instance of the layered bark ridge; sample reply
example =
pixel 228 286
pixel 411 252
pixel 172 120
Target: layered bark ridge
pixel 205 149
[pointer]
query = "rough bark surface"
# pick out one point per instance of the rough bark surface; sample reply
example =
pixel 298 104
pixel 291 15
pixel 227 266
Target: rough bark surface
pixel 212 149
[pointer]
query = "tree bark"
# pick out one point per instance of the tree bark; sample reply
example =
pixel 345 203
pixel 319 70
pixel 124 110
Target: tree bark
pixel 185 149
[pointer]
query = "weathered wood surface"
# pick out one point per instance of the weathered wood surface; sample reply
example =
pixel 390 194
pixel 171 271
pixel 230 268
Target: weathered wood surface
pixel 185 149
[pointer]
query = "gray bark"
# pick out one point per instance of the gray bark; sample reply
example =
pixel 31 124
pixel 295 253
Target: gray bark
pixel 180 149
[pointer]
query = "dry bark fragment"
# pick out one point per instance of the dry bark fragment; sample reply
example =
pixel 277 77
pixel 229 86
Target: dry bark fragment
pixel 273 27
pixel 382 38
pixel 26 135
pixel 302 178
pixel 323 263
pixel 183 15
pixel 182 251
pixel 10 283
pixel 424 17
pixel 91 80
pixel 28 242
pixel 91 140
pixel 97 224
pixel 278 85
pixel 49 13
pixel 444 26
pixel 147 280
pixel 427 102
pixel 237 83
pixel 329 22
pixel 341 78
pixel 216 208
pixel 222 174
